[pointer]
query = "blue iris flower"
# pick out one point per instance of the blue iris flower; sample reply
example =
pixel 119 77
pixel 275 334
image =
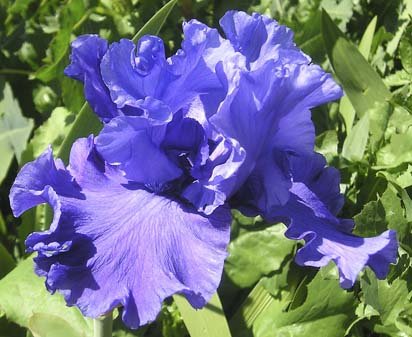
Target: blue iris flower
pixel 142 211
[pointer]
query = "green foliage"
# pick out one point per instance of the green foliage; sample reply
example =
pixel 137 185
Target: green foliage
pixel 15 129
pixel 367 135
pixel 28 304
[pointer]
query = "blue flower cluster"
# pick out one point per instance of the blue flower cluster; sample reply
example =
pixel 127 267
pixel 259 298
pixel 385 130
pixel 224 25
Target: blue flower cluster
pixel 142 211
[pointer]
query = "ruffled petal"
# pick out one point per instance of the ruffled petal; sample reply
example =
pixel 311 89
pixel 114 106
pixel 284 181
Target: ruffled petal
pixel 133 144
pixel 117 245
pixel 310 215
pixel 87 53
pixel 202 49
pixel 215 179
pixel 260 39
pixel 267 112
pixel 134 72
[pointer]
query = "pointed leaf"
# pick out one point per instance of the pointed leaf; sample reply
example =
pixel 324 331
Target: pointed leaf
pixel 361 83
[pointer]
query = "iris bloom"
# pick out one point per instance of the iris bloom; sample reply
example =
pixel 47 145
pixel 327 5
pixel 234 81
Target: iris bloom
pixel 142 211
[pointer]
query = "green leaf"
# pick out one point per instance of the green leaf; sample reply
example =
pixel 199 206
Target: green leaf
pixel 327 311
pixel 340 11
pixel 397 152
pixel 256 303
pixel 346 109
pixel 52 132
pixel 71 14
pixel 7 262
pixel 405 50
pixel 371 220
pixel 387 299
pixel 257 253
pixel 327 144
pixel 25 301
pixel 156 23
pixel 15 129
pixel 367 38
pixel 361 83
pixel 49 325
pixel 387 212
pixel 394 213
pixel 207 322
pixel 355 143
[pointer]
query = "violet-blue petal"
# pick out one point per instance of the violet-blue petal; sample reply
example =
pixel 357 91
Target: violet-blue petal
pixel 132 72
pixel 215 179
pixel 194 65
pixel 267 111
pixel 86 55
pixel 310 215
pixel 117 245
pixel 260 39
pixel 133 144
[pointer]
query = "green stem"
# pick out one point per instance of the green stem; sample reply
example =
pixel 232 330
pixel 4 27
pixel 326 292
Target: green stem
pixel 15 72
pixel 103 326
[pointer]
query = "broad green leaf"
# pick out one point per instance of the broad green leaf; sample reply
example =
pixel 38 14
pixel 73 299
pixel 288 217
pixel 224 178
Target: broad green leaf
pixel 207 322
pixel 394 213
pixel 24 300
pixel 397 152
pixel 371 220
pixel 405 179
pixel 400 121
pixel 387 299
pixel 15 129
pixel 52 132
pixel 387 212
pixel 407 202
pixel 361 83
pixel 346 109
pixel 257 253
pixel 355 143
pixel 49 325
pixel 258 300
pixel 279 287
pixel 327 311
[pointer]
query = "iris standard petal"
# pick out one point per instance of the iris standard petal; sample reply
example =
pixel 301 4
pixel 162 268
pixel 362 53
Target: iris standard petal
pixel 132 72
pixel 116 245
pixel 267 112
pixel 260 39
pixel 202 49
pixel 86 55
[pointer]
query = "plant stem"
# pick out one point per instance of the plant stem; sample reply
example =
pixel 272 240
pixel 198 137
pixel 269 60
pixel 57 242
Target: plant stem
pixel 103 326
